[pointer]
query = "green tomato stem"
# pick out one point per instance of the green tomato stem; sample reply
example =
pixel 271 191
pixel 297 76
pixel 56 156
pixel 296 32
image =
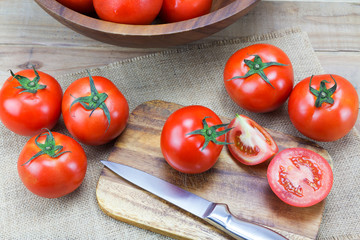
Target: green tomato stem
pixel 257 67
pixel 49 147
pixel 31 86
pixel 323 94
pixel 94 101
pixel 210 133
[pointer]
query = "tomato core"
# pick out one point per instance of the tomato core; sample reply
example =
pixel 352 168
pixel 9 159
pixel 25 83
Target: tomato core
pixel 247 150
pixel 290 187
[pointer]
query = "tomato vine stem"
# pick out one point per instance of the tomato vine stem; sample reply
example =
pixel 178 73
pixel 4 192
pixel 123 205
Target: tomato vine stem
pixel 210 133
pixel 49 147
pixel 257 67
pixel 31 86
pixel 323 94
pixel 94 101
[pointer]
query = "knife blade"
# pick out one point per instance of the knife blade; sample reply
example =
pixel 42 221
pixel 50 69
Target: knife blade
pixel 217 214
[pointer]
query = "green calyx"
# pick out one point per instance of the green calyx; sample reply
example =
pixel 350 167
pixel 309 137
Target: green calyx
pixel 323 94
pixel 49 147
pixel 210 133
pixel 31 86
pixel 94 101
pixel 257 67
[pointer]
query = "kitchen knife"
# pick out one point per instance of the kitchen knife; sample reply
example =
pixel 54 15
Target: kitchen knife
pixel 216 214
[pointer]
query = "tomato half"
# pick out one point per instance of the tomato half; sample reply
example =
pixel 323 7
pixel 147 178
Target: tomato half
pixel 52 165
pixel 192 139
pixel 180 10
pixel 81 6
pixel 259 78
pixel 128 11
pixel 324 107
pixel 94 110
pixel 250 144
pixel 300 177
pixel 30 100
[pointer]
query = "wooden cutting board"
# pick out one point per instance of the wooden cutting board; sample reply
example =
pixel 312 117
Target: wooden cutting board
pixel 244 188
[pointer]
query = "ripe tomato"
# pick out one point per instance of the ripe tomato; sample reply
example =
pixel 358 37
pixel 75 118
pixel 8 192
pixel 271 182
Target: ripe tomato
pixel 94 110
pixel 81 6
pixel 180 10
pixel 30 100
pixel 192 139
pixel 128 11
pixel 259 78
pixel 52 165
pixel 324 107
pixel 300 177
pixel 251 143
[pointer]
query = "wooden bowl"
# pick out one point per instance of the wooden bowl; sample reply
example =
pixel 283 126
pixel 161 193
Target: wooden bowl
pixel 223 13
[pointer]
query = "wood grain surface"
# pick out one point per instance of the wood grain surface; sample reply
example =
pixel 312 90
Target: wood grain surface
pixel 244 188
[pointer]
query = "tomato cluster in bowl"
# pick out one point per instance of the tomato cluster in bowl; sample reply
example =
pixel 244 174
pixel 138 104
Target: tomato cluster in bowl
pixel 140 12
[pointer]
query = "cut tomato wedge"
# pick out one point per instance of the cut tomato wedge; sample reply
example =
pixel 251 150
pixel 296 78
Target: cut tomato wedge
pixel 300 177
pixel 251 143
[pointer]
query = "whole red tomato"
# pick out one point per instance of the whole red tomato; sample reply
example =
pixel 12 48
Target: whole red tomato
pixel 180 10
pixel 30 100
pixel 259 78
pixel 52 165
pixel 251 143
pixel 192 139
pixel 300 177
pixel 94 110
pixel 138 12
pixel 81 6
pixel 324 107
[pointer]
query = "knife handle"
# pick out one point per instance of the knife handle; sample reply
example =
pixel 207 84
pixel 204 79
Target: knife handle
pixel 221 218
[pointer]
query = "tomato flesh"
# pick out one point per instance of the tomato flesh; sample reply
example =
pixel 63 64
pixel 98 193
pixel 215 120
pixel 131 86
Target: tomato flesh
pixel 252 144
pixel 300 177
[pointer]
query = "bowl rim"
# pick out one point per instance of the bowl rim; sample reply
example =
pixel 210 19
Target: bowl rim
pixel 88 22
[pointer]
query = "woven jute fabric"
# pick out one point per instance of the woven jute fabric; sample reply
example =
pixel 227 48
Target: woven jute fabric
pixel 187 75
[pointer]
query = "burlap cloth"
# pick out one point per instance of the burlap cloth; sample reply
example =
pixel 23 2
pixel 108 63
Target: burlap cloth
pixel 188 75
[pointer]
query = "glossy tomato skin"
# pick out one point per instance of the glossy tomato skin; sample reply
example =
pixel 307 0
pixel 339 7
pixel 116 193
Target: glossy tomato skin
pixel 300 177
pixel 139 12
pixel 180 10
pixel 52 177
pixel 95 129
pixel 329 122
pixel 81 6
pixel 251 143
pixel 253 93
pixel 183 152
pixel 28 113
